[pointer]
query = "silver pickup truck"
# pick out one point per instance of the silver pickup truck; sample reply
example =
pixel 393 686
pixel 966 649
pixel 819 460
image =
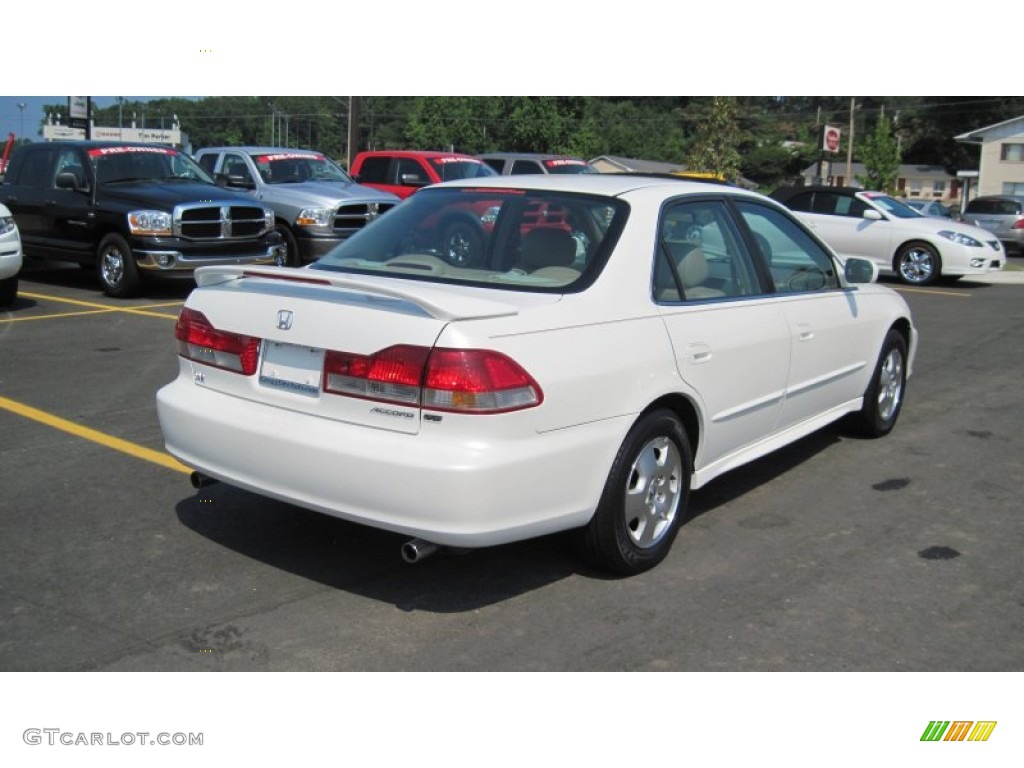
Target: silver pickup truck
pixel 316 204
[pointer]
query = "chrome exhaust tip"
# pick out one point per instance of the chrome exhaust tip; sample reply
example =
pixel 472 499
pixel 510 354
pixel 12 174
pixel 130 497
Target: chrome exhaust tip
pixel 199 480
pixel 415 550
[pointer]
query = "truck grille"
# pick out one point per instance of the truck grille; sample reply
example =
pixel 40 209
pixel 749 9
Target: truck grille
pixel 212 221
pixel 351 217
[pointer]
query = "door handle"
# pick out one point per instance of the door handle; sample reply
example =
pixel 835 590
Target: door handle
pixel 805 331
pixel 698 353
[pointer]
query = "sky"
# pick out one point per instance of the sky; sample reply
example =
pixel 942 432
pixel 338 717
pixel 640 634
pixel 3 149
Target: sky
pixel 11 115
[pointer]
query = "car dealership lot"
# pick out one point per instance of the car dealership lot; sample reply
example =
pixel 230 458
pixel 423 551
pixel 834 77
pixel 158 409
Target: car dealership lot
pixel 834 554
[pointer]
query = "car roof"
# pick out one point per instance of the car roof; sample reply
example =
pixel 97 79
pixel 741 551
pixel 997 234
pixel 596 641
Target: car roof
pixel 529 156
pixel 260 150
pixel 609 184
pixel 1015 198
pixel 425 153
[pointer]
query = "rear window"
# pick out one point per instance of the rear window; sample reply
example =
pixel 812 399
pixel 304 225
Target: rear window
pixel 994 207
pixel 510 238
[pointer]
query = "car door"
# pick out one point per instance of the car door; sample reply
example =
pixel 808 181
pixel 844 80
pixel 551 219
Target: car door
pixel 838 219
pixel 828 348
pixel 69 215
pixel 731 341
pixel 25 195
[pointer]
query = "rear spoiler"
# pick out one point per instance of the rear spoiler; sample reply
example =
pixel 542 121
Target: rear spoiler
pixel 438 303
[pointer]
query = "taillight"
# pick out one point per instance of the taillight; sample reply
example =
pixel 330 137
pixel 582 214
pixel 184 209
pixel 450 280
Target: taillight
pixel 459 380
pixel 477 381
pixel 198 340
pixel 1018 224
pixel 392 375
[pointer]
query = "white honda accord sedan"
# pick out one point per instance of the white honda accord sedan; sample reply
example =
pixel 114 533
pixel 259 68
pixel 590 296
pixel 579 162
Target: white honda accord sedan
pixel 600 347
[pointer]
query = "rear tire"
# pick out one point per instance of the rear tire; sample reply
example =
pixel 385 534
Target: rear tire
pixel 644 500
pixel 116 269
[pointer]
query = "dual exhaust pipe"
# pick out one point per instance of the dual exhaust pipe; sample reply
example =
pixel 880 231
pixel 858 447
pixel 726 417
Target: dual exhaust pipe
pixel 413 551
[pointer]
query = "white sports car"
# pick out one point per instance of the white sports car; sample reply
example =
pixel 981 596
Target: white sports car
pixel 608 344
pixel 917 249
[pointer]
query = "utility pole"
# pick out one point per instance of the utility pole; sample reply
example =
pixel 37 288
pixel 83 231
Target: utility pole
pixel 354 108
pixel 849 146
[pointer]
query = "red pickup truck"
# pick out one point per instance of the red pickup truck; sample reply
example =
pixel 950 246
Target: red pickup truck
pixel 402 172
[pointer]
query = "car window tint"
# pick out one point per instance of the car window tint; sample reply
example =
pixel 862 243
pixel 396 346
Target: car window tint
pixel 208 161
pixel 375 170
pixel 498 238
pixel 69 161
pixel 797 263
pixel 37 170
pixel 526 166
pixel 800 202
pixel 701 255
pixel 234 165
pixel 410 172
pixel 838 205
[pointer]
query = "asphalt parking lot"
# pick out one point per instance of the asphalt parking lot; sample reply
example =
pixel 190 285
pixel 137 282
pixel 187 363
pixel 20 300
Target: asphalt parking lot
pixel 834 554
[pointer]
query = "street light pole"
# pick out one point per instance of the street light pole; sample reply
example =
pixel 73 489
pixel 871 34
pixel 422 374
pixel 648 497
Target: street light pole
pixel 21 106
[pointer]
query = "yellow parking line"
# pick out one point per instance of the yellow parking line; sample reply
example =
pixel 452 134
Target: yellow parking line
pixel 107 307
pixel 933 292
pixel 59 314
pixel 116 443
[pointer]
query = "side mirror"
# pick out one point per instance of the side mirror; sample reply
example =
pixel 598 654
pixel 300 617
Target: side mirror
pixel 70 180
pixel 412 180
pixel 873 215
pixel 240 182
pixel 857 270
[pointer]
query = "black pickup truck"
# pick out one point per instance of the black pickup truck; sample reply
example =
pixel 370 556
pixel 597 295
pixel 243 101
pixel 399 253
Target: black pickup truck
pixel 131 211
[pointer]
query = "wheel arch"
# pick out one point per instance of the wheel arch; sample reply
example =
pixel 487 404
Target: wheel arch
pixel 685 409
pixel 894 262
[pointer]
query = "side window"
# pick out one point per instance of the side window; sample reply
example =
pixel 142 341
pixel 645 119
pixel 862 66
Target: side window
pixel 497 163
pixel 410 172
pixel 796 262
pixel 208 162
pixel 37 170
pixel 526 166
pixel 701 255
pixel 234 165
pixel 375 170
pixel 69 161
pixel 801 202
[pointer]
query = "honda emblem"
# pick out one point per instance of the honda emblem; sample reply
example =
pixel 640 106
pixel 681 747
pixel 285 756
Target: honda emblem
pixel 284 319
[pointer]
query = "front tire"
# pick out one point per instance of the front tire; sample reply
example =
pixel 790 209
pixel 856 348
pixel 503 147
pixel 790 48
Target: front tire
pixel 883 398
pixel 292 257
pixel 116 269
pixel 918 264
pixel 644 500
pixel 8 291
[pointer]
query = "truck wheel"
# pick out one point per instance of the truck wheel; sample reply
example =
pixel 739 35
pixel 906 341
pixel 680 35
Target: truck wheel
pixel 292 257
pixel 8 291
pixel 116 269
pixel 462 244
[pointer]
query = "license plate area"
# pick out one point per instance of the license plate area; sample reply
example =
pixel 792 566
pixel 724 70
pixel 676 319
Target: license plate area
pixel 291 367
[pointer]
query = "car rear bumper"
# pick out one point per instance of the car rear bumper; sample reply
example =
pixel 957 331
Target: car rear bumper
pixel 448 491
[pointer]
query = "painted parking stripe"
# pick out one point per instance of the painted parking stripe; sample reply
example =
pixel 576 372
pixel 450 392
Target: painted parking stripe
pixel 932 291
pixel 109 441
pixel 106 307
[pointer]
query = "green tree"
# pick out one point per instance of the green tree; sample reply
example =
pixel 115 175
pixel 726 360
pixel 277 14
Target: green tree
pixel 714 148
pixel 880 154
